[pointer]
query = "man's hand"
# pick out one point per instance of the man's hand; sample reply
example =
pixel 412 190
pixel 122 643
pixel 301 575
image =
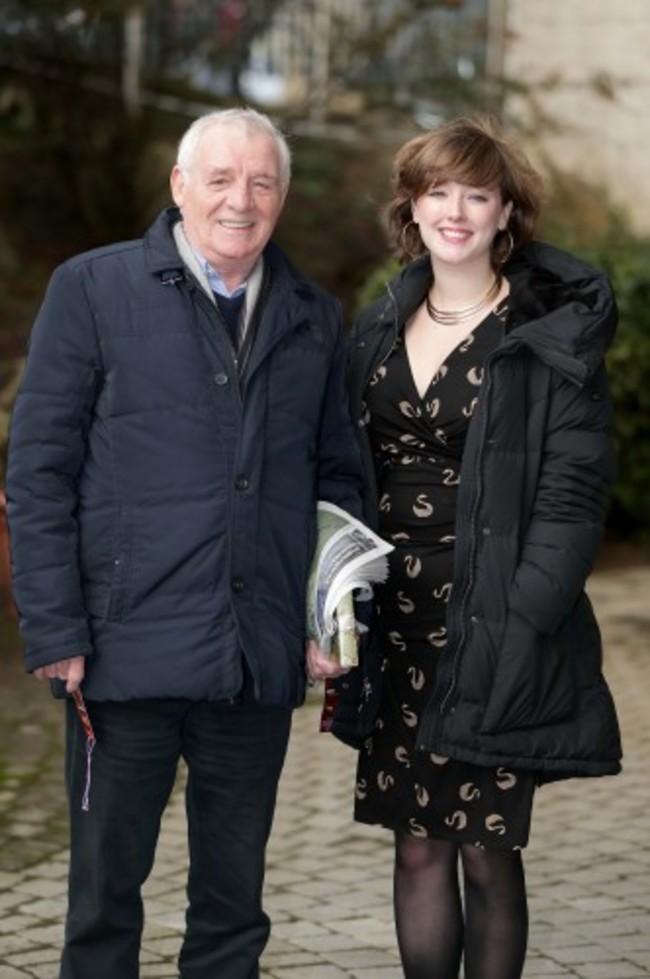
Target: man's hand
pixel 321 667
pixel 71 670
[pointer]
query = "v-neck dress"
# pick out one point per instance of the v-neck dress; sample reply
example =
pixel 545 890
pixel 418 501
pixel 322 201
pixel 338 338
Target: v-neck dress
pixel 418 445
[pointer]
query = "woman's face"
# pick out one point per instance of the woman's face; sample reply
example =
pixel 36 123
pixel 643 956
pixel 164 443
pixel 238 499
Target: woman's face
pixel 458 223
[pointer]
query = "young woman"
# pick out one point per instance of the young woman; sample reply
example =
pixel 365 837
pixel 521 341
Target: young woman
pixel 479 386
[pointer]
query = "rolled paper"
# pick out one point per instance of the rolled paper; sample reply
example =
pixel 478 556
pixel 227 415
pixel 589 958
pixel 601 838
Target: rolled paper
pixel 345 644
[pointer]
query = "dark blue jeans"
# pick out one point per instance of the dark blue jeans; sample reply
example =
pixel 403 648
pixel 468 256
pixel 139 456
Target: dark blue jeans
pixel 234 755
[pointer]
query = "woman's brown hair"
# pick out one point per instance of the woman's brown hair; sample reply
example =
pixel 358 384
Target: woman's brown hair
pixel 470 150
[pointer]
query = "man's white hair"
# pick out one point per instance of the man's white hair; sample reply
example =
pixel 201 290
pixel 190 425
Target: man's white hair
pixel 247 121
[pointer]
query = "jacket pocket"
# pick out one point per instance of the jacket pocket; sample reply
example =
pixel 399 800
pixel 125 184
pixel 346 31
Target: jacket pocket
pixel 118 594
pixel 534 682
pixel 108 577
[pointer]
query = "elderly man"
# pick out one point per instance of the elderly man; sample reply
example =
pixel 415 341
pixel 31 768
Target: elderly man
pixel 182 409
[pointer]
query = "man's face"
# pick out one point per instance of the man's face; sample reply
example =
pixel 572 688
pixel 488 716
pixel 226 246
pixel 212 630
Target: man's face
pixel 230 197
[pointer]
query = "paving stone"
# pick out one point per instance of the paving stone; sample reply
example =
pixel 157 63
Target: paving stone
pixel 43 887
pixel 611 970
pixel 320 970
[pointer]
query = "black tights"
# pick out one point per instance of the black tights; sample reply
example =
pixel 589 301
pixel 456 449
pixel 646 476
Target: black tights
pixel 434 935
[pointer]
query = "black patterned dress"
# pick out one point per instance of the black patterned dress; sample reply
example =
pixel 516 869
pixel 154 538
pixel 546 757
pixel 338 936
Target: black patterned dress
pixel 418 442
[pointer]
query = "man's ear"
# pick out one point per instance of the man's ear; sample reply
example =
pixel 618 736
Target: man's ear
pixel 177 185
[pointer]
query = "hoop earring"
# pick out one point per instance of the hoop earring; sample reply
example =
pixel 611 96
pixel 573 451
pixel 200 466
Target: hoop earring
pixel 511 245
pixel 402 239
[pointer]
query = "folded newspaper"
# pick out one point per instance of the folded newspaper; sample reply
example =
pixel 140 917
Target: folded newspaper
pixel 349 558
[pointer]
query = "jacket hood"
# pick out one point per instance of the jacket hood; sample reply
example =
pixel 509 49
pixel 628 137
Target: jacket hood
pixel 562 309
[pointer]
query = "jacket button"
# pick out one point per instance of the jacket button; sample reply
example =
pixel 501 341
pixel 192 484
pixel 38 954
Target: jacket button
pixel 237 585
pixel 242 483
pixel 486 531
pixel 220 379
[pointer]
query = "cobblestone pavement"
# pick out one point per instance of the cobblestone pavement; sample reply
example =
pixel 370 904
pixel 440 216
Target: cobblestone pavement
pixel 329 880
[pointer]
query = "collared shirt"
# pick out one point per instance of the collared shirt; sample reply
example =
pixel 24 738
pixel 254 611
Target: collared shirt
pixel 216 282
pixel 230 304
pixel 237 308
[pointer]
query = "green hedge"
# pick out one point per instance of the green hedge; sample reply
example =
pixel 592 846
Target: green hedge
pixel 629 368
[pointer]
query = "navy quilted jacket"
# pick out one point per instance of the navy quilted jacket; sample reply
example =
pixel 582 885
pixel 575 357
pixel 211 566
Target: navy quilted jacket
pixel 162 514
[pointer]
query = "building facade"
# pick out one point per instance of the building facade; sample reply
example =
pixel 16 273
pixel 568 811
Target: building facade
pixel 586 66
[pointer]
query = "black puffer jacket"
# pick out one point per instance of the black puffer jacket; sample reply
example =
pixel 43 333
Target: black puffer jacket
pixel 520 680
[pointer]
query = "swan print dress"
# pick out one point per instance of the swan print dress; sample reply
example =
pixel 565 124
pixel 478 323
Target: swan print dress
pixel 418 444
